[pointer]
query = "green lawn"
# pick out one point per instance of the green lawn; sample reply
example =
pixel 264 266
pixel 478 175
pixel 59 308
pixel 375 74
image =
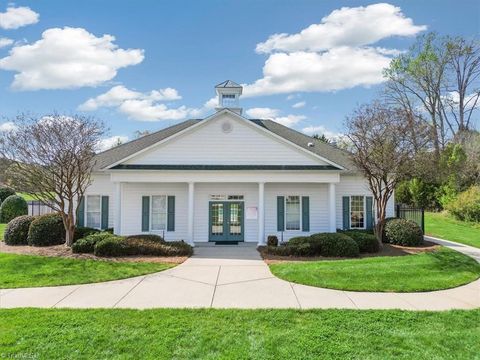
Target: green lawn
pixel 436 270
pixel 32 271
pixel 26 196
pixel 238 334
pixel 445 227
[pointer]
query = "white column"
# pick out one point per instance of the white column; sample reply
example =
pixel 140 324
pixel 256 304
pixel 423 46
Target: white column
pixel 332 213
pixel 261 213
pixel 191 204
pixel 117 222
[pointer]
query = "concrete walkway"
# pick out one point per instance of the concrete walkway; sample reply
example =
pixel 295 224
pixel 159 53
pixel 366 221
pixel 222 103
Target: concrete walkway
pixel 234 277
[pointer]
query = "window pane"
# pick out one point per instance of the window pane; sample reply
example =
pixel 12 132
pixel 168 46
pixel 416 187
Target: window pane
pixel 357 216
pixel 159 212
pixel 94 214
pixel 292 213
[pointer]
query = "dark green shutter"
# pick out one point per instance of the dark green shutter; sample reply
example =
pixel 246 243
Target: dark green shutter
pixel 104 212
pixel 346 212
pixel 171 213
pixel 81 212
pixel 280 213
pixel 305 213
pixel 145 213
pixel 369 206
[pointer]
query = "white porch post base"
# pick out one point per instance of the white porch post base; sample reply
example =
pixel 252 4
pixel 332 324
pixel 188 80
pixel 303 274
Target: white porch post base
pixel 261 214
pixel 117 223
pixel 331 208
pixel 191 199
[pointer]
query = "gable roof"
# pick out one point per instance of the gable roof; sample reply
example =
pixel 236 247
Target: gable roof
pixel 327 151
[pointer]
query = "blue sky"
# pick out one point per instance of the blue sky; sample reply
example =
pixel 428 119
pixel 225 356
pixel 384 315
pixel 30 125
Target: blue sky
pixel 166 56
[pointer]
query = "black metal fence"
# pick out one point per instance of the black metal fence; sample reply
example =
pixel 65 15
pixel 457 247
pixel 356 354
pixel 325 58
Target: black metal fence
pixel 411 213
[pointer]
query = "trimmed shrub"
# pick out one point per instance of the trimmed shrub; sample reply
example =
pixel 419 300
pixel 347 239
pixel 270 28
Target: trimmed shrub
pixel 336 245
pixel 46 230
pixel 322 244
pixel 403 232
pixel 367 243
pixel 151 237
pixel 272 240
pixel 87 244
pixel 120 246
pixel 12 207
pixel 282 250
pixel 385 222
pixel 5 192
pixel 466 206
pixel 82 232
pixel 111 246
pixel 16 232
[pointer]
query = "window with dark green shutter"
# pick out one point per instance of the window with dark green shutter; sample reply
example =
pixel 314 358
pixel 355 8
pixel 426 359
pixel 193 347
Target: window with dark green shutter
pixel 369 211
pixel 305 213
pixel 145 213
pixel 280 213
pixel 104 212
pixel 81 212
pixel 171 213
pixel 346 212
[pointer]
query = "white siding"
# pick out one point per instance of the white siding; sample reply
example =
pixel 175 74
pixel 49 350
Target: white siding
pixel 318 198
pixel 101 185
pixel 132 207
pixel 208 144
pixel 354 185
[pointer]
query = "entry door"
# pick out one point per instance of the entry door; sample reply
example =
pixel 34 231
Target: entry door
pixel 225 221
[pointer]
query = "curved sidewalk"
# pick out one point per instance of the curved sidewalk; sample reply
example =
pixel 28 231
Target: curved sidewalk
pixel 234 277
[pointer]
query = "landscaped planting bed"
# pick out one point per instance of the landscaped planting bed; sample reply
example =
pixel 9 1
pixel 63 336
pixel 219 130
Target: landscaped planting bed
pixel 238 334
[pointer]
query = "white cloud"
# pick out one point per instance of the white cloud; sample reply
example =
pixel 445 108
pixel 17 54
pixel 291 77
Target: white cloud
pixel 146 106
pixel 299 104
pixel 347 26
pixel 262 113
pixel 322 130
pixel 274 114
pixel 16 17
pixel 4 42
pixel 67 58
pixel 7 126
pixel 118 94
pixel 335 54
pixel 339 68
pixel 110 142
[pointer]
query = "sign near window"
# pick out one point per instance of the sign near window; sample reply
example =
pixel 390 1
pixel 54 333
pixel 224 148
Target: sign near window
pixel 252 213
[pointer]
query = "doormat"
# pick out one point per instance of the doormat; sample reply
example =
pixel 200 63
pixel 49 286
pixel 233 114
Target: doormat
pixel 226 242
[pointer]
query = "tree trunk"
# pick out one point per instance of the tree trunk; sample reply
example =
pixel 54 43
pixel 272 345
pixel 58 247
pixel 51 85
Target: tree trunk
pixel 70 228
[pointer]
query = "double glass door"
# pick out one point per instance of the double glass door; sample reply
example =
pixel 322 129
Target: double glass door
pixel 225 221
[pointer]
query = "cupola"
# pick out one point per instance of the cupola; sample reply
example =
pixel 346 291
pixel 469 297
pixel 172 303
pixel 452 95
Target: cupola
pixel 229 96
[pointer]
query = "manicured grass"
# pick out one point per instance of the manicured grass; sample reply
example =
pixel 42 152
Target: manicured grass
pixel 26 196
pixel 445 227
pixel 238 334
pixel 2 230
pixel 436 270
pixel 31 271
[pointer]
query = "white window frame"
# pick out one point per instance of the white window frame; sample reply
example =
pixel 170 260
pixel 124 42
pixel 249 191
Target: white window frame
pixel 285 213
pixel 86 211
pixel 364 212
pixel 151 217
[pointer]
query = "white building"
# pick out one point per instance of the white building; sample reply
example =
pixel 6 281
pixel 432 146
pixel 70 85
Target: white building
pixel 226 178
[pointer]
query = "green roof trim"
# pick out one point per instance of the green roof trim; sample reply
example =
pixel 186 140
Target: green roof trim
pixel 223 167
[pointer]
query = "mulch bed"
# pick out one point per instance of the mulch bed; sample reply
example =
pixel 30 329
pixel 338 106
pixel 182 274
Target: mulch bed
pixel 387 250
pixel 63 251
